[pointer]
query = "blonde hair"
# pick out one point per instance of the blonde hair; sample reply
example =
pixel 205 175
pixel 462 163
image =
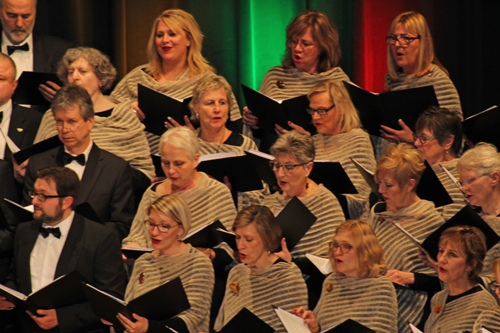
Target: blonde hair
pixel 211 83
pixel 370 259
pixel 340 97
pixel 324 33
pixel 173 206
pixel 403 162
pixel 414 24
pixel 177 20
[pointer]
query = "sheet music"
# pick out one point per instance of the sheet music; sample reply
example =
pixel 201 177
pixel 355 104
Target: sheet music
pixel 322 264
pixel 29 208
pixel 414 329
pixel 488 109
pixel 292 323
pixel 261 154
pixel 217 156
pixel 484 330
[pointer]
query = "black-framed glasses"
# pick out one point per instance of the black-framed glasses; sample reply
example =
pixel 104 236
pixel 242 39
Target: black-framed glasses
pixel 471 180
pixel 42 197
pixel 402 39
pixel 344 247
pixel 163 228
pixel 321 112
pixel 287 168
pixel 422 139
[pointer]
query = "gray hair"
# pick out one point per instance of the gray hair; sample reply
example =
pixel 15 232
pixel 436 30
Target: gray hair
pixel 211 83
pixel 484 157
pixel 173 206
pixel 71 95
pixel 182 138
pixel 298 145
pixel 99 62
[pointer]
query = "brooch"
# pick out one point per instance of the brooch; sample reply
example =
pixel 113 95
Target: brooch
pixel 381 219
pixel 280 84
pixel 235 288
pixel 141 278
pixel 329 287
pixel 438 308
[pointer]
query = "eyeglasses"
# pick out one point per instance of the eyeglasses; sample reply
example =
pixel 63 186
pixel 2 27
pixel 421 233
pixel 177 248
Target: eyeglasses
pixel 402 39
pixel 163 228
pixel 344 247
pixel 321 112
pixel 42 197
pixel 471 180
pixel 287 168
pixel 422 139
pixel 305 45
pixel 71 124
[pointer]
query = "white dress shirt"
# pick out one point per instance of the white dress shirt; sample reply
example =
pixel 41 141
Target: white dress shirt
pixel 77 167
pixel 45 255
pixel 6 110
pixel 22 59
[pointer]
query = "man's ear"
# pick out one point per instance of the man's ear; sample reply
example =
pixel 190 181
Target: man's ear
pixel 67 202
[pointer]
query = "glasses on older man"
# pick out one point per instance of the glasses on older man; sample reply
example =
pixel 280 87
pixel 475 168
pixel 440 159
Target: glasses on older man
pixel 402 39
pixel 344 247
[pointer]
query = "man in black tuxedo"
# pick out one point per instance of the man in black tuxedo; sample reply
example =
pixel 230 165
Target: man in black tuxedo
pixel 57 243
pixel 106 178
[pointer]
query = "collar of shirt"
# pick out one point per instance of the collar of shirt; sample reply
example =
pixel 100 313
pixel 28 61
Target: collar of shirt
pixel 75 166
pixel 63 226
pixel 6 110
pixel 6 42
pixel 86 152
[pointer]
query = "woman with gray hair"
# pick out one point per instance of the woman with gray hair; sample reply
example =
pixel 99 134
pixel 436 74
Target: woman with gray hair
pixel 116 128
pixel 293 162
pixel 479 170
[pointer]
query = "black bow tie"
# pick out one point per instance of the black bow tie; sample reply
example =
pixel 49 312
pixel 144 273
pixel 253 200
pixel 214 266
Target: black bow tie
pixel 46 231
pixel 68 158
pixel 12 48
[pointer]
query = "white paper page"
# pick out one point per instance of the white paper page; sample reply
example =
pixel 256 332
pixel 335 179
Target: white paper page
pixel 261 154
pixel 137 248
pixel 484 330
pixel 109 295
pixel 13 292
pixel 477 114
pixel 292 323
pixel 322 264
pixel 453 179
pixel 225 231
pixel 407 233
pixel 414 329
pixel 29 208
pixel 217 156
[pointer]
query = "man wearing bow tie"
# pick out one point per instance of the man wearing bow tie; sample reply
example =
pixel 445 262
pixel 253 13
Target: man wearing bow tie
pixel 29 52
pixel 106 179
pixel 57 243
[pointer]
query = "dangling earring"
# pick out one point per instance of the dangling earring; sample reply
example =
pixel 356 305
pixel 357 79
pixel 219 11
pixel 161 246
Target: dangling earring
pixel 307 186
pixel 197 116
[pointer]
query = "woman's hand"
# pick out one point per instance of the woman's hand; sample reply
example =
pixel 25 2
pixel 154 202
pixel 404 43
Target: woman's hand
pixel 400 277
pixel 105 322
pixel 171 123
pixel 249 119
pixel 392 135
pixel 284 253
pixel 137 110
pixel 309 318
pixel 280 130
pixel 140 326
pixel 5 305
pixel 427 260
pixel 49 90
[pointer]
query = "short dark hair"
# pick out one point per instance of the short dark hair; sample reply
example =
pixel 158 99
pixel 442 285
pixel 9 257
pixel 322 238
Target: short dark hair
pixel 66 180
pixel 267 225
pixel 71 95
pixel 442 123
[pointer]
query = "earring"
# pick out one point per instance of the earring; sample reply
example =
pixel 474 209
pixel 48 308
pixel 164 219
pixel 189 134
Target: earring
pixel 197 116
pixel 307 185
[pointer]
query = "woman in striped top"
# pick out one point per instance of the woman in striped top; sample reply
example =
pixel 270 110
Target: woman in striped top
pixel 398 173
pixel 460 259
pixel 491 317
pixel 438 135
pixel 479 169
pixel 412 63
pixel 175 66
pixel 312 55
pixel 357 289
pixel 168 222
pixel 262 280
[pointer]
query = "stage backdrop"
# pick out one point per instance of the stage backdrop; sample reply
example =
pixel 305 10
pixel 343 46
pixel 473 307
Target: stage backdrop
pixel 244 38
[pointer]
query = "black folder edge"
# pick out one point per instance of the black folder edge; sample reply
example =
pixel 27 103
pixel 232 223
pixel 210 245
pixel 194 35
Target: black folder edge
pixel 23 215
pixel 208 236
pixel 27 88
pixel 295 220
pixel 333 176
pixel 130 253
pixel 37 148
pixel 465 217
pixel 263 169
pixel 246 322
pixel 430 188
pixel 483 126
pixel 349 326
pixel 368 177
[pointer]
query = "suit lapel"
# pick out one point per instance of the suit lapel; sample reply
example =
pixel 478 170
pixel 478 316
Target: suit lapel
pixel 24 258
pixel 93 169
pixel 16 127
pixel 72 248
pixel 40 62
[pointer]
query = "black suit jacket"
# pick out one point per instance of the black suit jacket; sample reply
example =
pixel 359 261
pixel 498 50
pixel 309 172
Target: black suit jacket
pixel 106 185
pixel 47 52
pixel 90 248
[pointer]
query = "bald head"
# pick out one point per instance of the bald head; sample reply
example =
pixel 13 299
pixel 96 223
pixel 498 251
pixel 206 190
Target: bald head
pixel 8 82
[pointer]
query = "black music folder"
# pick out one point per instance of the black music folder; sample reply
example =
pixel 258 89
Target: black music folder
pixel 430 188
pixel 333 176
pixel 158 107
pixel 27 88
pixel 64 291
pixel 135 252
pixel 349 326
pixel 260 162
pixel 388 107
pixel 295 220
pixel 271 111
pixel 210 236
pixel 161 303
pixel 37 148
pixel 246 322
pixel 483 126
